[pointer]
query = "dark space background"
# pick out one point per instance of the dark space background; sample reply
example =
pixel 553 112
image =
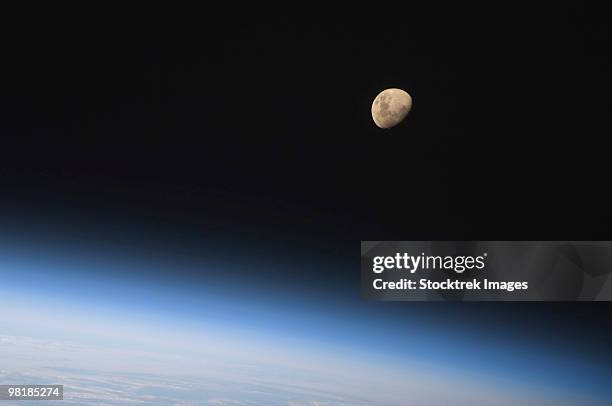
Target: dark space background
pixel 248 133
pixel 260 123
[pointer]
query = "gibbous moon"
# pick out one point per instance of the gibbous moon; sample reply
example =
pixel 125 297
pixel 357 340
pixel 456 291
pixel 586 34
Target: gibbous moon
pixel 390 107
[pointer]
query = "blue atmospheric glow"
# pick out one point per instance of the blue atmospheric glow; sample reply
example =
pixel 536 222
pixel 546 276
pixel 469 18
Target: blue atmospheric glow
pixel 123 290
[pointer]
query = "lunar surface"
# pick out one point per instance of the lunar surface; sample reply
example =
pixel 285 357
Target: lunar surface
pixel 390 107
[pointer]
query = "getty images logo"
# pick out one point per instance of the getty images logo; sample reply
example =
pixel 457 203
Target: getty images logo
pixel 412 263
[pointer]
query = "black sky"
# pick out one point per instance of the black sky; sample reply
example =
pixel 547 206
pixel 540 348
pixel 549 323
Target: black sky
pixel 256 125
